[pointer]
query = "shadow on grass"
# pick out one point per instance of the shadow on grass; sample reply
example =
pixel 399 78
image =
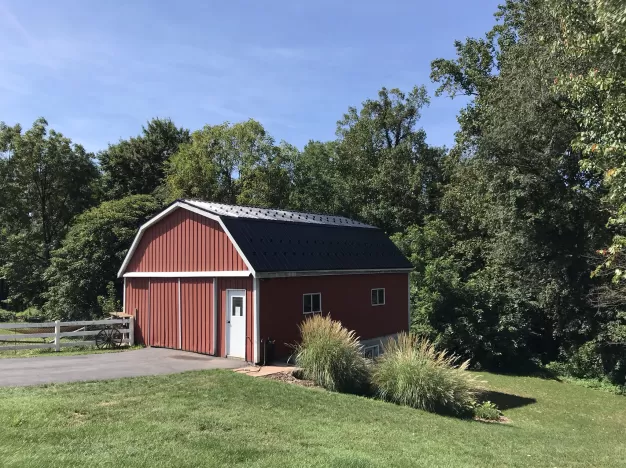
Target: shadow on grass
pixel 505 401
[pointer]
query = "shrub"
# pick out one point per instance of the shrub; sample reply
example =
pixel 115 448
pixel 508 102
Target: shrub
pixel 488 411
pixel 32 314
pixel 412 372
pixel 7 316
pixel 331 356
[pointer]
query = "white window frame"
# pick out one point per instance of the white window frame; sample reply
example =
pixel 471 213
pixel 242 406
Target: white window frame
pixel 313 311
pixel 375 351
pixel 384 296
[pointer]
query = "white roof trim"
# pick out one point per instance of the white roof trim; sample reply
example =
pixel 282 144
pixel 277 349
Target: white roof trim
pixel 187 274
pixel 163 214
pixel 291 274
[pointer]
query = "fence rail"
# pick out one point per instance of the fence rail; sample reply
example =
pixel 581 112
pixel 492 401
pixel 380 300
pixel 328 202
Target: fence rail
pixel 126 326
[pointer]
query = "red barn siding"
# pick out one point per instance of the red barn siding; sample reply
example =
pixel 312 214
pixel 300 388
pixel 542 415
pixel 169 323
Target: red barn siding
pixel 136 303
pixel 164 313
pixel 236 283
pixel 185 241
pixel 346 298
pixel 197 314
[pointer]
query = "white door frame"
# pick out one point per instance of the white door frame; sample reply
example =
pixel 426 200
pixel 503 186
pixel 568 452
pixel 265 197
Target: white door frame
pixel 230 293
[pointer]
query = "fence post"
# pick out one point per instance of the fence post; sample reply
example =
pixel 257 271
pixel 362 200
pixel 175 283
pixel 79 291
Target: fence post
pixel 131 331
pixel 57 336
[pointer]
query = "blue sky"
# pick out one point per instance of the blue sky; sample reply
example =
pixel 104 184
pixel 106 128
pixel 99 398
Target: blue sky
pixel 97 71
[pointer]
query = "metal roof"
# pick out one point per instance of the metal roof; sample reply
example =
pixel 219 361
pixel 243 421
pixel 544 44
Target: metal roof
pixel 272 246
pixel 234 211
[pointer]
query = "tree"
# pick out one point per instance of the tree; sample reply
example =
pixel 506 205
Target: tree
pixel 90 256
pixel 46 181
pixel 525 216
pixel 136 166
pixel 392 178
pixel 317 184
pixel 592 36
pixel 237 163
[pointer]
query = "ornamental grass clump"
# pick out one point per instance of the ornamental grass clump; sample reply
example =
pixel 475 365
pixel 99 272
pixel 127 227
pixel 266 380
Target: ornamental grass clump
pixel 412 372
pixel 331 356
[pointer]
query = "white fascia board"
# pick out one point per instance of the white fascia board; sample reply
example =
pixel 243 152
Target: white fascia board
pixel 257 335
pixel 291 274
pixel 188 274
pixel 162 215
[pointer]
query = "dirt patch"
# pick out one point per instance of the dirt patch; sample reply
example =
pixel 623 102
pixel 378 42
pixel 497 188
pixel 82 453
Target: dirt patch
pixel 288 377
pixel 502 420
pixel 109 403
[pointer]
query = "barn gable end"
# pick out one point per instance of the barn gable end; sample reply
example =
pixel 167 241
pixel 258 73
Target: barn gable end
pixel 184 241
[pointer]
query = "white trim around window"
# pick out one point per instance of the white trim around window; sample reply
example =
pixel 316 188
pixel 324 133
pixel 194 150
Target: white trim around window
pixel 312 303
pixel 375 296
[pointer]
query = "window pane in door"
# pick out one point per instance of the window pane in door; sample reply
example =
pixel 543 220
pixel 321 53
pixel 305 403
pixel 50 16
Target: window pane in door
pixel 237 307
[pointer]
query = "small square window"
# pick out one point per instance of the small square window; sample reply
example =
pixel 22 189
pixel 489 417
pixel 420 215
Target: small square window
pixel 371 352
pixel 378 296
pixel 312 303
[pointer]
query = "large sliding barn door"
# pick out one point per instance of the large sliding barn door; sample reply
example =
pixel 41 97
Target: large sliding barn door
pixel 180 314
pixel 164 316
pixel 196 305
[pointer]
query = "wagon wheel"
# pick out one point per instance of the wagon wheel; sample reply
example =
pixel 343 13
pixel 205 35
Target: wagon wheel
pixel 108 338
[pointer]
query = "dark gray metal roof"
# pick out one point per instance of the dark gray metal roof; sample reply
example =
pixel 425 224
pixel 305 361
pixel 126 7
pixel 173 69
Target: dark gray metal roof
pixel 272 246
pixel 236 211
pixel 282 241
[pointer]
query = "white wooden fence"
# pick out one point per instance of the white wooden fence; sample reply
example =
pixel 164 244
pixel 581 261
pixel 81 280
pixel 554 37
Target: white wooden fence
pixel 126 326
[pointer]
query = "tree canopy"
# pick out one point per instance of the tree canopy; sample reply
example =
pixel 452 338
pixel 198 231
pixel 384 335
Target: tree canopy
pixel 46 181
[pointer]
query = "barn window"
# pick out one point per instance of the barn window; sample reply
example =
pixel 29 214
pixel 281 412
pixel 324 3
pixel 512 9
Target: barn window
pixel 371 352
pixel 312 303
pixel 378 296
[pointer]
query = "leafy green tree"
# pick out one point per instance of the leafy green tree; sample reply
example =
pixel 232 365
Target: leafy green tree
pixel 592 36
pixel 317 184
pixel 90 256
pixel 136 166
pixel 238 163
pixel 525 216
pixel 392 177
pixel 46 181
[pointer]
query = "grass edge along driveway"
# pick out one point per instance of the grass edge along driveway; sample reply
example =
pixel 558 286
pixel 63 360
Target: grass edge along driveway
pixel 220 418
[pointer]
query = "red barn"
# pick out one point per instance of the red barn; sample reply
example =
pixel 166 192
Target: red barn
pixel 224 280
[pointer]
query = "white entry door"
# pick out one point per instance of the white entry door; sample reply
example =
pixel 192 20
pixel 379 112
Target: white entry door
pixel 236 323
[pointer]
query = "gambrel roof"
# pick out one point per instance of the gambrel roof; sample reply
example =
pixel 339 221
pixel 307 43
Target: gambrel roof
pixel 285 243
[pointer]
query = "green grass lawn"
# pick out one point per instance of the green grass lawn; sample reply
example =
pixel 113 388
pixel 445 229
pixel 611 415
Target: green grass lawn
pixel 219 418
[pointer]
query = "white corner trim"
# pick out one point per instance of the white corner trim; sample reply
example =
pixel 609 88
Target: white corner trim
pixel 180 318
pixel 124 297
pixel 257 333
pixel 152 221
pixel 188 274
pixel 215 312
pixel 290 274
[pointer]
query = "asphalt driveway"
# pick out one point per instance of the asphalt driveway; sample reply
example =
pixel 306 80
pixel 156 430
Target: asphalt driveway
pixel 18 372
